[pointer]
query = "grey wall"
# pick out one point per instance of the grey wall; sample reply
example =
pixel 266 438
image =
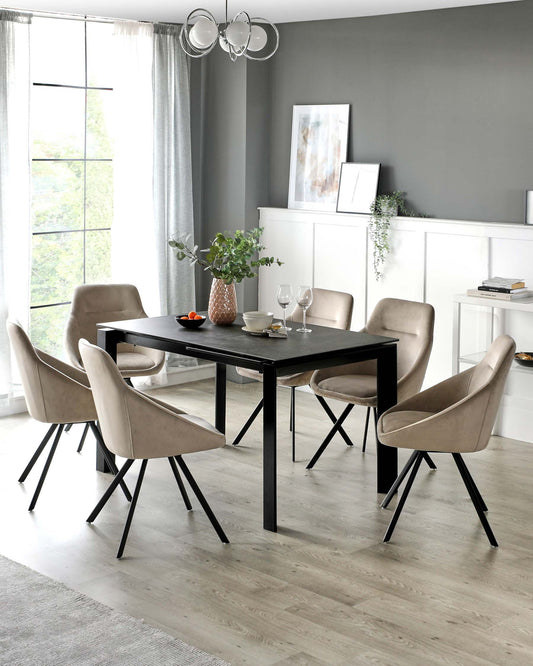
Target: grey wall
pixel 442 99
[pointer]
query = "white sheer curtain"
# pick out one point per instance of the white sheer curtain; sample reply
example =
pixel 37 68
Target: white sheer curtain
pixel 133 245
pixel 173 201
pixel 15 232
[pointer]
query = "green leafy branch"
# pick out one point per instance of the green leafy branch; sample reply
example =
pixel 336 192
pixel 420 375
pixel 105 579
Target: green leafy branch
pixel 229 258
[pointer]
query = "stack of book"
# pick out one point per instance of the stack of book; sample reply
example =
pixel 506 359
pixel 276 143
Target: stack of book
pixel 505 289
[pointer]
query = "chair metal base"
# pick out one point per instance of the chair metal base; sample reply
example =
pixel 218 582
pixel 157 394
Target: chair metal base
pixel 337 427
pixel 413 465
pixel 60 429
pixel 292 422
pixel 195 488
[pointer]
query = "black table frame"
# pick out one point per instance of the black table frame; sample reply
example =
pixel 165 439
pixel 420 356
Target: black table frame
pixel 110 334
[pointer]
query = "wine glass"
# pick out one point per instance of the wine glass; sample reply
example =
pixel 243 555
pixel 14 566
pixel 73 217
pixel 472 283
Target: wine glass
pixel 284 297
pixel 304 300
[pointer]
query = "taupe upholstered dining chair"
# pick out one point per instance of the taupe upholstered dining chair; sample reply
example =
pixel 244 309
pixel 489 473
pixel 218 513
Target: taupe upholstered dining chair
pixel 56 393
pixel 138 427
pixel 356 383
pixel 97 303
pixel 455 416
pixel 329 308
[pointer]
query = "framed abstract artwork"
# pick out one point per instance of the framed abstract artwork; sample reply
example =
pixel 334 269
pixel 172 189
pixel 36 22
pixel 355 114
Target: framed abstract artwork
pixel 318 148
pixel 358 187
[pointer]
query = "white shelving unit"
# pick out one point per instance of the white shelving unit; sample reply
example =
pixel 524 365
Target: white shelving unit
pixel 496 325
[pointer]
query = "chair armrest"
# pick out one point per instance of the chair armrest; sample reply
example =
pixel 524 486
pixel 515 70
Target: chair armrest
pixel 65 368
pixel 164 404
pixel 439 397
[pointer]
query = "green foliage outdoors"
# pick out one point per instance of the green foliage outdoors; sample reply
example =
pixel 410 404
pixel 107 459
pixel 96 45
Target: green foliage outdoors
pixel 229 258
pixel 58 198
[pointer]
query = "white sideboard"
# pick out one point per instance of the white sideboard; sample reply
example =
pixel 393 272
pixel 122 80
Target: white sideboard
pixel 432 260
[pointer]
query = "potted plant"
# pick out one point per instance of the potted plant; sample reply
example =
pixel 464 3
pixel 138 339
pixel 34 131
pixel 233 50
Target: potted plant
pixel 382 210
pixel 229 259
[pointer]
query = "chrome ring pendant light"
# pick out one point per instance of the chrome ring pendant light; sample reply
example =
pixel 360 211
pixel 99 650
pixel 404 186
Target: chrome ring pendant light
pixel 242 36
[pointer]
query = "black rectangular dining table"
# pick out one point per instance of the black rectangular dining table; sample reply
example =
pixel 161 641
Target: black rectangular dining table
pixel 229 345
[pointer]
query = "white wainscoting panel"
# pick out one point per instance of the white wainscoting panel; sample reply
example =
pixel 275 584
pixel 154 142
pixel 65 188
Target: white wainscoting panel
pixel 340 264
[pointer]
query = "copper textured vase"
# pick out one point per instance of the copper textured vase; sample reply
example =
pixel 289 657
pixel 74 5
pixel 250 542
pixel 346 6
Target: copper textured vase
pixel 222 308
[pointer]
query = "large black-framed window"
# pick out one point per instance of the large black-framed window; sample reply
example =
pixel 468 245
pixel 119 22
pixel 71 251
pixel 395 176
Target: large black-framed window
pixel 72 169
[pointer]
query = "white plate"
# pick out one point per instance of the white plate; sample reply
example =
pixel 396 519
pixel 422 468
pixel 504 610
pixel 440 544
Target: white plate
pixel 250 332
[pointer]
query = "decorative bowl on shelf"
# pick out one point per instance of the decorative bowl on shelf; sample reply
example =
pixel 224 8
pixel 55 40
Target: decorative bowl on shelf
pixel 187 321
pixel 524 358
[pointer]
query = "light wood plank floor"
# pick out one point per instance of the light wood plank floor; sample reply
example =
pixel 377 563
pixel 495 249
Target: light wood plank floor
pixel 324 589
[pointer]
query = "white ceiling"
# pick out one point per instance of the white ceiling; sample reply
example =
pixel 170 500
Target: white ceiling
pixel 277 11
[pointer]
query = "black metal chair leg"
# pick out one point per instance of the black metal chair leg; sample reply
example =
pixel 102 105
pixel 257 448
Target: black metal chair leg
pixel 112 487
pixel 248 423
pixel 330 436
pixel 82 440
pixel 202 500
pixel 334 419
pixel 473 485
pixel 180 483
pixel 401 477
pixel 476 500
pixel 68 427
pixel 37 453
pixel 132 509
pixel 429 460
pixel 293 422
pixel 45 468
pixel 408 485
pixel 366 428
pixel 108 457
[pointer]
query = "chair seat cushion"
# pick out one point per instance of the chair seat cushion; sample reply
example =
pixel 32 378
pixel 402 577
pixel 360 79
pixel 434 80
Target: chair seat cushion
pixel 298 379
pixel 398 420
pixel 134 362
pixel 357 389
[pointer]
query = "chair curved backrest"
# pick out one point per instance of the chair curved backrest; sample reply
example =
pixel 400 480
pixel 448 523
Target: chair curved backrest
pixel 136 426
pixel 456 415
pixel 54 391
pixel 97 303
pixel 412 323
pixel 329 308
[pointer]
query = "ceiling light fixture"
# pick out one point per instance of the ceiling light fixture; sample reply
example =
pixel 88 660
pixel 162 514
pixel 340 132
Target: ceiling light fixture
pixel 254 38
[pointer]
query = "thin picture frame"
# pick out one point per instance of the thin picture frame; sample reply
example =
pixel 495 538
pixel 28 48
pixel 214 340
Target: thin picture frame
pixel 319 145
pixel 358 187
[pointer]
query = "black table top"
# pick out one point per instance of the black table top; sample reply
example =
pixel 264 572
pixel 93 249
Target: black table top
pixel 232 340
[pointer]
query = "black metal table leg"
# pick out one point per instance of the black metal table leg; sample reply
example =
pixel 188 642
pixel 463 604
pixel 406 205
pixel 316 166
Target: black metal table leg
pixel 220 397
pixel 269 450
pixel 387 378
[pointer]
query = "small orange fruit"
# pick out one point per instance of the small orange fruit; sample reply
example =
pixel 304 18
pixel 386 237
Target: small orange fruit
pixel 192 314
pixel 184 317
pixel 198 317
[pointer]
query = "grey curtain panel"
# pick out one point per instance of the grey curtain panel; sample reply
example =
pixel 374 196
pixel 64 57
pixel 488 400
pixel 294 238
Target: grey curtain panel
pixel 173 200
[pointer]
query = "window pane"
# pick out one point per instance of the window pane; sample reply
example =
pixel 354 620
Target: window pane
pixel 98 256
pixel 99 205
pixel 57 267
pixel 57 199
pixel 99 54
pixel 47 326
pixel 98 124
pixel 58 51
pixel 58 122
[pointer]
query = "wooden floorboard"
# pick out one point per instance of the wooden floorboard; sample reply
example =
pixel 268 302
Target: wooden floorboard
pixel 324 589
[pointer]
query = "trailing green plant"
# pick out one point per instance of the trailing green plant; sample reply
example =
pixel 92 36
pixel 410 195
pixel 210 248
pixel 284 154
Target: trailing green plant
pixel 229 257
pixel 382 210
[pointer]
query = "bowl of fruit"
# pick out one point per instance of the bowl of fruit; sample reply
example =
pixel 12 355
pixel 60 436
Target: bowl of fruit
pixel 524 358
pixel 190 320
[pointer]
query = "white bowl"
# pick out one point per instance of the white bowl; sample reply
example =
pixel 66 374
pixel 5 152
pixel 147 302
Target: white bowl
pixel 257 320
